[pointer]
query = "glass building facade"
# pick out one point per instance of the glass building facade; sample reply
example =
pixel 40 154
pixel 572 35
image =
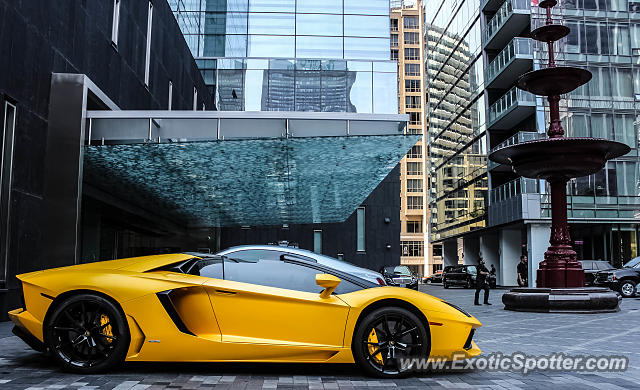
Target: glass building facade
pixel 293 55
pixel 477 51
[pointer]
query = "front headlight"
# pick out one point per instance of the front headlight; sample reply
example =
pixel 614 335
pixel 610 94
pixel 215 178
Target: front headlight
pixel 611 278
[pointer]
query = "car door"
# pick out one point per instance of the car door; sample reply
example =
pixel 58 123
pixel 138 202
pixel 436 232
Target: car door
pixel 275 307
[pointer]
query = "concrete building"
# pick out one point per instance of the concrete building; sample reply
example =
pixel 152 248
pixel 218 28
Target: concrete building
pixel 498 215
pixel 407 47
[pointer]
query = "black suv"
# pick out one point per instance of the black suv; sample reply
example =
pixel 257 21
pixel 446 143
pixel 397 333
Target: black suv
pixel 623 280
pixel 464 276
pixel 400 276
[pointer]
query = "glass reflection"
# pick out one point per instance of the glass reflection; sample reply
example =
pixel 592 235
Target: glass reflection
pixel 385 93
pixel 366 48
pixel 272 5
pixel 369 7
pixel 271 46
pixel 314 24
pixel 366 26
pixel 324 6
pixel 272 23
pixel 360 94
pixel 318 47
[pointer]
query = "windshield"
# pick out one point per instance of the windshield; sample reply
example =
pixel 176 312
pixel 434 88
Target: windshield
pixel 398 270
pixel 472 269
pixel 633 263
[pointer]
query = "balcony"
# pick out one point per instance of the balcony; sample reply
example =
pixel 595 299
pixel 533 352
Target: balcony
pixel 509 20
pixel 511 109
pixel 515 200
pixel 490 5
pixel 513 60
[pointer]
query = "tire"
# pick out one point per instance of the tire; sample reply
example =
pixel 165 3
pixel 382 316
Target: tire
pixel 409 338
pixel 627 288
pixel 87 334
pixel 469 285
pixel 445 285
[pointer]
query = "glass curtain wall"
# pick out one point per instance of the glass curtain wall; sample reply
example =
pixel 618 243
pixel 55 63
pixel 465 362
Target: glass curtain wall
pixel 456 115
pixel 605 38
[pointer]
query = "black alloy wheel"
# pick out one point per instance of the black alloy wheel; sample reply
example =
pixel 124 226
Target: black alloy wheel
pixel 385 338
pixel 87 334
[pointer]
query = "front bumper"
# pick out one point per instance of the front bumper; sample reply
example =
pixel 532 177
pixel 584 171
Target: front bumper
pixel 413 286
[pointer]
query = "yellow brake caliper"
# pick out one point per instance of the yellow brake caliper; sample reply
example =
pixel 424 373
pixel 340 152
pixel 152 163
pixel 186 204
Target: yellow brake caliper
pixel 373 338
pixel 107 330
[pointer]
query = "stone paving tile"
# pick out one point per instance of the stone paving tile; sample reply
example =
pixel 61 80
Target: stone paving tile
pixel 502 331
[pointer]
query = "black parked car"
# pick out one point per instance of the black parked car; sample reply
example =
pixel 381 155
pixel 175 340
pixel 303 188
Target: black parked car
pixel 591 268
pixel 434 278
pixel 623 280
pixel 400 276
pixel 464 276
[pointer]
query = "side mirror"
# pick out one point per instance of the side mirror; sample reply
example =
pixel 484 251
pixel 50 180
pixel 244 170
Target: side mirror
pixel 328 282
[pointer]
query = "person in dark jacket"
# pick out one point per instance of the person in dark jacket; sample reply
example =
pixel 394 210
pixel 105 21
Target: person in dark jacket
pixel 482 282
pixel 523 272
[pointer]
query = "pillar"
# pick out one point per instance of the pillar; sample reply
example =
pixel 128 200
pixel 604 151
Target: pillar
pixel 510 251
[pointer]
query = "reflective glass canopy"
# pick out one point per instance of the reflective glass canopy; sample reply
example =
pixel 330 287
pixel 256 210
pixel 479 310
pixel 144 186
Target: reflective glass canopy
pixel 251 177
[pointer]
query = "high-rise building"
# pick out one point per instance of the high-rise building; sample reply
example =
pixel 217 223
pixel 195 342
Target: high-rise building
pixel 408 48
pixel 476 53
pixel 309 56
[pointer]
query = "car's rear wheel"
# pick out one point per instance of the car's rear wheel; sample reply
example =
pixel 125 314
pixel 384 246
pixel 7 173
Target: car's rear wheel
pixel 445 285
pixel 87 334
pixel 627 288
pixel 386 337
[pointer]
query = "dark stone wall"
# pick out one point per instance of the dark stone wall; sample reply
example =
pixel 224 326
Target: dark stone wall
pixel 383 202
pixel 38 38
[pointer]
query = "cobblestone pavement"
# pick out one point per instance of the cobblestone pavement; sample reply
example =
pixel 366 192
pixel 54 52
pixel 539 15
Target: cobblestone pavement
pixel 502 331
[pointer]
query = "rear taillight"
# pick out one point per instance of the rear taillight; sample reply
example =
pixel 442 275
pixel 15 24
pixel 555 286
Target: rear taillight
pixel 381 281
pixel 21 296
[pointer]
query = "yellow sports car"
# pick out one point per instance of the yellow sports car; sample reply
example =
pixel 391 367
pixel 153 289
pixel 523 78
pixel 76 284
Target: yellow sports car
pixel 182 307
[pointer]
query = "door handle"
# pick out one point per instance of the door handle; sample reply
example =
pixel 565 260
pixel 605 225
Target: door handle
pixel 225 292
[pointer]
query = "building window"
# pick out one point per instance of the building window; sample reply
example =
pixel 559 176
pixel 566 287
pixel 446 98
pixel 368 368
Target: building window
pixel 414 168
pixel 437 250
pixel 414 131
pixel 414 185
pixel 147 56
pixel 412 101
pixel 412 248
pixel 394 24
pixel 170 103
pixel 412 69
pixel 394 54
pixel 414 202
pixel 411 38
pixel 360 247
pixel 195 99
pixel 115 24
pixel 414 118
pixel 317 241
pixel 411 53
pixel 394 40
pixel 412 85
pixel 437 267
pixel 414 226
pixel 415 151
pixel 410 22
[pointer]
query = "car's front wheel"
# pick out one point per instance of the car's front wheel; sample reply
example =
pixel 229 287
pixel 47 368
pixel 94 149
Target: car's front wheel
pixel 87 334
pixel 386 338
pixel 627 288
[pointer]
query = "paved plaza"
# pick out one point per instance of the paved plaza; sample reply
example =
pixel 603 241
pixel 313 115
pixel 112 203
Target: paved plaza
pixel 502 331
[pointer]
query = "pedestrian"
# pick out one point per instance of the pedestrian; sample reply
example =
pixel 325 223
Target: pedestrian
pixel 482 282
pixel 492 272
pixel 523 272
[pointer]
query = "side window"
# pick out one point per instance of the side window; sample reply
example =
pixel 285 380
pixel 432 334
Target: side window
pixel 209 268
pixel 272 274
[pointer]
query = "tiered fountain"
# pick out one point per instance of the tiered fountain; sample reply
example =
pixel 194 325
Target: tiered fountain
pixel 558 159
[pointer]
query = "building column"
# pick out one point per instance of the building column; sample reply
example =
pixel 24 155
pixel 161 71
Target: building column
pixel 510 251
pixel 449 253
pixel 537 243
pixel 489 250
pixel 470 250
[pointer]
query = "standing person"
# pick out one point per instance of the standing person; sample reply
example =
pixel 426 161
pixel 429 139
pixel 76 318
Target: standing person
pixel 482 282
pixel 492 277
pixel 523 272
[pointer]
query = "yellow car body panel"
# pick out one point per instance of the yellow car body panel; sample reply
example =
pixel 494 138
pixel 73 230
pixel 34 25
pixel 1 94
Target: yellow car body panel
pixel 231 321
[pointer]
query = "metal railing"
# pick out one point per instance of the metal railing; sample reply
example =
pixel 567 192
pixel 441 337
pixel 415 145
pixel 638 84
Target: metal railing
pixel 513 188
pixel 514 97
pixel 517 47
pixel 520 137
pixel 502 15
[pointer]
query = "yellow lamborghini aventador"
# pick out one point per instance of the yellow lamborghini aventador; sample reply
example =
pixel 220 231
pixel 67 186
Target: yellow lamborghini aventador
pixel 182 307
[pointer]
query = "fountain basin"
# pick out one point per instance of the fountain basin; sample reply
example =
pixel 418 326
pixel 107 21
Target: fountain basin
pixel 553 81
pixel 584 300
pixel 559 158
